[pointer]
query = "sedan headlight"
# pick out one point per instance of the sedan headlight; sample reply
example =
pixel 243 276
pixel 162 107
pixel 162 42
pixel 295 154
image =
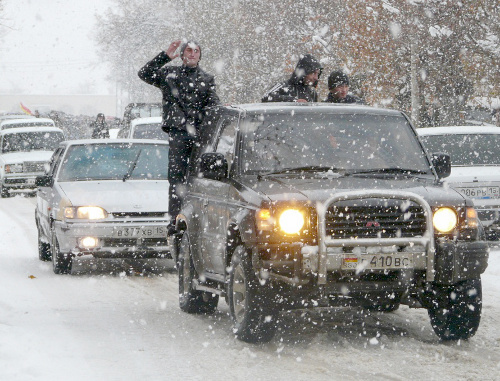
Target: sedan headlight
pixel 445 220
pixel 85 212
pixel 13 168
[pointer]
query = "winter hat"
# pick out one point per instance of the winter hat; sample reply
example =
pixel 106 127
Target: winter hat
pixel 336 79
pixel 185 45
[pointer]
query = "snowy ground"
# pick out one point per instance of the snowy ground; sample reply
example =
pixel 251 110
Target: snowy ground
pixel 109 323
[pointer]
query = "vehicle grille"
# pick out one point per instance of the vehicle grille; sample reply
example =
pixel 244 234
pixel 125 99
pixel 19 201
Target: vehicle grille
pixel 138 214
pixel 379 221
pixel 34 166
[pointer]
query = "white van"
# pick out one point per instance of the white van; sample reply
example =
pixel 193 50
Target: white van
pixel 144 128
pixel 24 151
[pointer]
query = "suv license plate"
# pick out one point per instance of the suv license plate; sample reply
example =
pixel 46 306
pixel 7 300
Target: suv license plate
pixel 377 262
pixel 141 232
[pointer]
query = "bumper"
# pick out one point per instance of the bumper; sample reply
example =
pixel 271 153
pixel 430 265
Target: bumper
pixel 21 182
pixel 137 243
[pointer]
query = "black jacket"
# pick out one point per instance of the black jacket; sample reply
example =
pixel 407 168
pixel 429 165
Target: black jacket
pixel 100 130
pixel 187 92
pixel 348 99
pixel 294 88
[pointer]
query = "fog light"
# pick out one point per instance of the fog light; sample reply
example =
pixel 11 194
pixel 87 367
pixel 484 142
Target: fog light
pixel 89 242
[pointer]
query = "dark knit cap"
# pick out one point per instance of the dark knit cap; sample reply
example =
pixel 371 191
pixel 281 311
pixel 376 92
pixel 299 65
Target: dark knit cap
pixel 184 46
pixel 336 79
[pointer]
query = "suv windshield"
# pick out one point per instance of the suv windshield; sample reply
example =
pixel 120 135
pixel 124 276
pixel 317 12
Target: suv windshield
pixel 115 162
pixel 31 141
pixel 466 149
pixel 344 142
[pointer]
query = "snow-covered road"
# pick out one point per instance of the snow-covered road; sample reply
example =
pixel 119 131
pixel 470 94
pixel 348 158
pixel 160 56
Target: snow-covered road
pixel 109 323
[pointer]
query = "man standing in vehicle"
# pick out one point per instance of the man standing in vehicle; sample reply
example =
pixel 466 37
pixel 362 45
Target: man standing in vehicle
pixel 187 93
pixel 301 86
pixel 338 85
pixel 99 127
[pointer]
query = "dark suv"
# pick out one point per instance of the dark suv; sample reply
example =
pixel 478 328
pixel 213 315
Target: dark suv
pixel 292 206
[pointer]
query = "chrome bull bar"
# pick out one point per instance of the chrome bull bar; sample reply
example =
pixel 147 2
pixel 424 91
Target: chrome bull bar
pixel 427 240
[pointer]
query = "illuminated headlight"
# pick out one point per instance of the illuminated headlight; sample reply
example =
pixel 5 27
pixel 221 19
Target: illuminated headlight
pixel 291 221
pixel 89 242
pixel 13 168
pixel 445 220
pixel 85 212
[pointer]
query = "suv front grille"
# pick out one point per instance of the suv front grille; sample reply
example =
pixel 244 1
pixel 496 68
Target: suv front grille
pixel 380 221
pixel 33 166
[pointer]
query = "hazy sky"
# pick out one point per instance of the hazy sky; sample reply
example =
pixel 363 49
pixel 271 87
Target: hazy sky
pixel 48 47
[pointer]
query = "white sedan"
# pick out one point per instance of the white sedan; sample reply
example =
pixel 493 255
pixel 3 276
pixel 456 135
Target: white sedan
pixel 106 198
pixel 475 166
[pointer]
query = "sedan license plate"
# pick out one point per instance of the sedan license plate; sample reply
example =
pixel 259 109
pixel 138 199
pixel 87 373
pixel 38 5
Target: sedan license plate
pixel 141 232
pixel 377 262
pixel 480 192
pixel 30 181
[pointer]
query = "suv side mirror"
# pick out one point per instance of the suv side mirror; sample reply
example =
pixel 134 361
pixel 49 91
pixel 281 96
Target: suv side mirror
pixel 213 166
pixel 43 181
pixel 442 164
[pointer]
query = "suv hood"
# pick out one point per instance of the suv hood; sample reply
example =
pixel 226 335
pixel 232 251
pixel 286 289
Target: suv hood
pixel 314 189
pixel 21 157
pixel 118 196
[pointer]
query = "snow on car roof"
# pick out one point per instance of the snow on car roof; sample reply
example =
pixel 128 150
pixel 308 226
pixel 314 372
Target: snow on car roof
pixel 29 129
pixel 458 130
pixel 148 120
pixel 10 123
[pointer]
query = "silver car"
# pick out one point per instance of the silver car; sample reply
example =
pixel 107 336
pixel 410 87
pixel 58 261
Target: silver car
pixel 105 198
pixel 475 167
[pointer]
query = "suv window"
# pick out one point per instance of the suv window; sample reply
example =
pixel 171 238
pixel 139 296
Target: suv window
pixel 225 144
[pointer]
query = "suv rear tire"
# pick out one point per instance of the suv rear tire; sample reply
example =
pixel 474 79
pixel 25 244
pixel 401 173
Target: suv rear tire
pixel 191 300
pixel 456 311
pixel 253 315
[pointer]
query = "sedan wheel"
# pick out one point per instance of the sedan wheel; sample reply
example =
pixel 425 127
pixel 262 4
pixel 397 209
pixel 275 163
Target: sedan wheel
pixel 61 263
pixel 44 251
pixel 191 300
pixel 252 312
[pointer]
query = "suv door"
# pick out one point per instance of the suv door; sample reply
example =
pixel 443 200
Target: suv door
pixel 215 214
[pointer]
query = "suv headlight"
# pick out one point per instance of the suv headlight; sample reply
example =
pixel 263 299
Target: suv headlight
pixel 289 221
pixel 85 212
pixel 13 168
pixel 445 220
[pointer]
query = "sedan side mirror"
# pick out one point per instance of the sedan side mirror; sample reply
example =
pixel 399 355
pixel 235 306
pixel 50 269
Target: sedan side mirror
pixel 213 166
pixel 43 181
pixel 442 164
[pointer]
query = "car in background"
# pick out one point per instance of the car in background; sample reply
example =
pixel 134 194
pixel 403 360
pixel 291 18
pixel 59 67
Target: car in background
pixel 27 122
pixel 144 128
pixel 475 167
pixel 24 153
pixel 103 198
pixel 10 115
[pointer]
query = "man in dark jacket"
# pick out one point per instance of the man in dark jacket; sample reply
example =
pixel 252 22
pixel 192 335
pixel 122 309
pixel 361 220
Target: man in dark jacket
pixel 301 85
pixel 338 85
pixel 99 127
pixel 187 92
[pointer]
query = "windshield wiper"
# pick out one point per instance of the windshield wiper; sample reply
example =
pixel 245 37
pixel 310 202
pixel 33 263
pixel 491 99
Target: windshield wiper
pixel 132 167
pixel 307 168
pixel 390 170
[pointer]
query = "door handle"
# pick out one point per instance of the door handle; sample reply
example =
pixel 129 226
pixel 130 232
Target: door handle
pixel 205 202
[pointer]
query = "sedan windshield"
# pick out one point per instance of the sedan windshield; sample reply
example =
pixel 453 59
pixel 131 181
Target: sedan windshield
pixel 353 142
pixel 466 149
pixel 31 141
pixel 115 162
